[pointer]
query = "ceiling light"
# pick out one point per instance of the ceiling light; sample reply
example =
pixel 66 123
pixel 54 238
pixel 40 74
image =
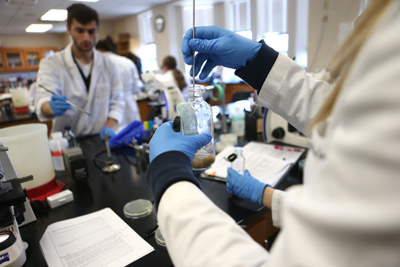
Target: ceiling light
pixel 55 15
pixel 85 0
pixel 39 27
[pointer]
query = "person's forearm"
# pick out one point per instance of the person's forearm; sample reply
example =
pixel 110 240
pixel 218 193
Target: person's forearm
pixel 47 111
pixel 111 123
pixel 267 196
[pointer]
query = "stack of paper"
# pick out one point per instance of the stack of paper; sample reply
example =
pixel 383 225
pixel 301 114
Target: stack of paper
pixel 268 163
pixel 97 239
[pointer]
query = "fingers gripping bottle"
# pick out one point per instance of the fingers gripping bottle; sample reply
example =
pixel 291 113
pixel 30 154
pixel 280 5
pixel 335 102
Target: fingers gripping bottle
pixel 197 118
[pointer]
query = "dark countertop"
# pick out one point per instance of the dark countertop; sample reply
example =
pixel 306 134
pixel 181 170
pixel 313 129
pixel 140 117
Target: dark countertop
pixel 115 190
pixel 11 116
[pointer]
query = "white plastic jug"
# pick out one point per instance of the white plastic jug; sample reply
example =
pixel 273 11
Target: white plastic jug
pixel 29 152
pixel 20 98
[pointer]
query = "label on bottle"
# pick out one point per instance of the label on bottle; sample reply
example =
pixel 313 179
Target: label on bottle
pixel 56 153
pixel 238 127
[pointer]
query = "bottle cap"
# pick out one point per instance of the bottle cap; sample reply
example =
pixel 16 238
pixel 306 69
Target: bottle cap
pixel 177 124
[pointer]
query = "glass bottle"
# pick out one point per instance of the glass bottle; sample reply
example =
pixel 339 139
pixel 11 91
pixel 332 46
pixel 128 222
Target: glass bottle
pixel 197 118
pixel 69 135
pixel 238 163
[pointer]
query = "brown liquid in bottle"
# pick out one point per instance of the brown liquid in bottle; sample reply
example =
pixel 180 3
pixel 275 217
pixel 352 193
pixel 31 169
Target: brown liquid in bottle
pixel 203 163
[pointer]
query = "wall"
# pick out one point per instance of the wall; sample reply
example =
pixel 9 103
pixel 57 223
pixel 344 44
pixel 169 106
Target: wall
pixel 35 40
pixel 58 40
pixel 338 11
pixel 162 39
pixel 128 25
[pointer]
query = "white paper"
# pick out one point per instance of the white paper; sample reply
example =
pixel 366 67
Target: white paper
pixel 265 162
pixel 98 239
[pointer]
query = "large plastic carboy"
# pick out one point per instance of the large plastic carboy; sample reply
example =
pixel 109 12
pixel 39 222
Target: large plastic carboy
pixel 197 118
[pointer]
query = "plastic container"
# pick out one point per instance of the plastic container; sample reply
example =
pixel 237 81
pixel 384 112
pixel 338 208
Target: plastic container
pixel 57 145
pixel 28 149
pixel 238 163
pixel 238 122
pixel 20 99
pixel 196 118
pixel 70 136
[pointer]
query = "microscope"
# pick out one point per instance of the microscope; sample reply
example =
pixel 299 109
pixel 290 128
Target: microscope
pixel 164 90
pixel 15 211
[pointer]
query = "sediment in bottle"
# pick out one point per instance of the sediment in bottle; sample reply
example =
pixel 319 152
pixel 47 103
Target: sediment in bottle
pixel 203 163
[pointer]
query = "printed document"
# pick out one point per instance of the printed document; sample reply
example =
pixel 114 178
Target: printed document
pixel 98 239
pixel 266 162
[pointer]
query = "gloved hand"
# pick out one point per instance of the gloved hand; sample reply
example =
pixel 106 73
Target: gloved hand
pixel 217 46
pixel 59 105
pixel 165 139
pixel 107 131
pixel 245 186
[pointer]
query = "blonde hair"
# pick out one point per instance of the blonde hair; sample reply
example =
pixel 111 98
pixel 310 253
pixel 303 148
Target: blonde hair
pixel 343 60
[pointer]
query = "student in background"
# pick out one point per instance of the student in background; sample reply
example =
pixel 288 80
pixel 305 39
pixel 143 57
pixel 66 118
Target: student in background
pixel 82 75
pixel 129 78
pixel 168 67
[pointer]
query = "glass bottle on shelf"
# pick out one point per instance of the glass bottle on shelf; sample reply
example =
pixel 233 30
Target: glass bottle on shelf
pixel 197 118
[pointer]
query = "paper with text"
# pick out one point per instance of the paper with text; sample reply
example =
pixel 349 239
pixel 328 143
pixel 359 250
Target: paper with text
pixel 98 239
pixel 265 162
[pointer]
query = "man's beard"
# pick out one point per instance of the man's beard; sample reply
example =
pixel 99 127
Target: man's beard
pixel 81 48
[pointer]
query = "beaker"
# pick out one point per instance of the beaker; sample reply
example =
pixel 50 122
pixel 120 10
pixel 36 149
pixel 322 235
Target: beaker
pixel 197 118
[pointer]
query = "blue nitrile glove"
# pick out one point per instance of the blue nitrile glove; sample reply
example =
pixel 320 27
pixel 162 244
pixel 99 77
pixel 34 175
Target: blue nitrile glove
pixel 217 46
pixel 59 105
pixel 245 186
pixel 165 139
pixel 107 131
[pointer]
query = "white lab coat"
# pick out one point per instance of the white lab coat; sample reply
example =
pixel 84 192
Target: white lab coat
pixel 104 100
pixel 346 212
pixel 131 84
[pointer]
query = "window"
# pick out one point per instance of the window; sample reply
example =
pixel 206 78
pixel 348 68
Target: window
pixel 149 57
pixel 240 17
pixel 148 48
pixel 204 17
pixel 274 26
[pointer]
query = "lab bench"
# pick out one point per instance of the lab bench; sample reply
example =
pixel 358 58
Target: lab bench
pixel 11 118
pixel 116 189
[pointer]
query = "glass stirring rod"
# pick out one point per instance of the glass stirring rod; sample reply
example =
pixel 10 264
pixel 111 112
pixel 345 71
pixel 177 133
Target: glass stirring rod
pixel 194 11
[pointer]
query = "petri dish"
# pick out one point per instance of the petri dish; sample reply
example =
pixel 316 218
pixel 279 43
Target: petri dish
pixel 159 238
pixel 137 209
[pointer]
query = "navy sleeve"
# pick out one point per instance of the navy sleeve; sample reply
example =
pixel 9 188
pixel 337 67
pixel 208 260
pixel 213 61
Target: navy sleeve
pixel 259 67
pixel 165 170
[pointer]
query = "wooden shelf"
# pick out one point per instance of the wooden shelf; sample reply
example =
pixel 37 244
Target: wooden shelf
pixel 23 59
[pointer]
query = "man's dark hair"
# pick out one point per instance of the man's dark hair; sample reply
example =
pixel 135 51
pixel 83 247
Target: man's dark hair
pixel 82 13
pixel 169 62
pixel 107 45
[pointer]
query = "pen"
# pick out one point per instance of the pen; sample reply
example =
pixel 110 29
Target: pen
pixel 72 104
pixel 151 231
